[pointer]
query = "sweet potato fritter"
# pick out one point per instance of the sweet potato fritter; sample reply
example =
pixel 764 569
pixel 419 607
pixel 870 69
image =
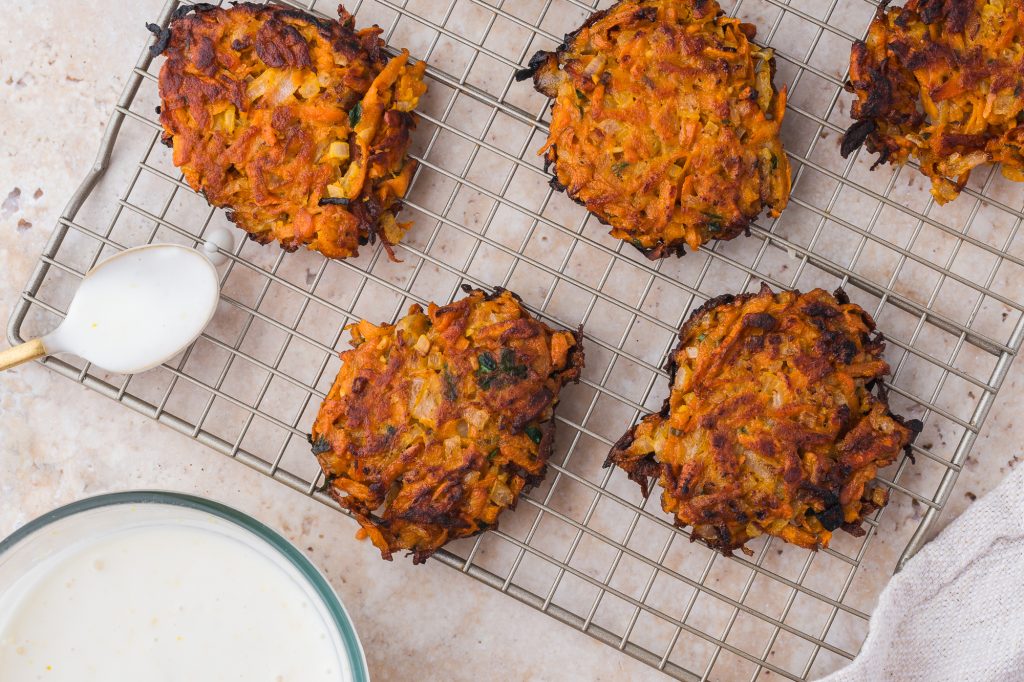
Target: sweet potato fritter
pixel 665 123
pixel 772 425
pixel 299 126
pixel 437 423
pixel 942 81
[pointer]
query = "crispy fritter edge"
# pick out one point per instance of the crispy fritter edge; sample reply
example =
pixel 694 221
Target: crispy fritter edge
pixel 545 448
pixel 861 129
pixel 162 37
pixel 648 469
pixel 540 59
pixel 163 34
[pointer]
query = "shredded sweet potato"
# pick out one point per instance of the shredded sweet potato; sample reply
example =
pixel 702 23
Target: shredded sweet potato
pixel 298 126
pixel 665 123
pixel 942 81
pixel 776 422
pixel 436 424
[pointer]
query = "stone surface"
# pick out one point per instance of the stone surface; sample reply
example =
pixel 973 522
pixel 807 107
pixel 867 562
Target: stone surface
pixel 61 70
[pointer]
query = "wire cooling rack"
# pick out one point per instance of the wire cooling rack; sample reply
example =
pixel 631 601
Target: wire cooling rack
pixel 944 285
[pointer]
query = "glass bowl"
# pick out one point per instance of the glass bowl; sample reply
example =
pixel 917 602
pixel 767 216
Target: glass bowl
pixel 60 531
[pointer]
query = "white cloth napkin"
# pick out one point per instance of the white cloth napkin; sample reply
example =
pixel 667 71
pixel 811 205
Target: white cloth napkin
pixel 956 611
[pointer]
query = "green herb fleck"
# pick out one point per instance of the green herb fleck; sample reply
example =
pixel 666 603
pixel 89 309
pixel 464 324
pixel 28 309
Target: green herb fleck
pixel 775 162
pixel 391 430
pixel 535 434
pixel 702 336
pixel 487 363
pixel 581 97
pixel 509 366
pixel 355 114
pixel 493 453
pixel 321 445
pixel 714 222
pixel 451 390
pixel 489 370
pixel 675 432
pixel 485 372
pixel 617 168
pixel 508 359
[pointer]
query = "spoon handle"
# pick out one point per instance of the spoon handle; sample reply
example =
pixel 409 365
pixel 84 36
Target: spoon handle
pixel 30 350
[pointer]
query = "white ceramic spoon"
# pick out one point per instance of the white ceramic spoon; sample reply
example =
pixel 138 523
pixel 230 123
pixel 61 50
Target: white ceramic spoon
pixel 133 311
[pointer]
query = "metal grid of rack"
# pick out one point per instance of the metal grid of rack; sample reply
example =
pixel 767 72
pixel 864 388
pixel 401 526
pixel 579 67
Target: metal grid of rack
pixel 584 547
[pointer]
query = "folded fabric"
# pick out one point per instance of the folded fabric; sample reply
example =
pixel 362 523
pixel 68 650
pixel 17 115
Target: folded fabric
pixel 956 611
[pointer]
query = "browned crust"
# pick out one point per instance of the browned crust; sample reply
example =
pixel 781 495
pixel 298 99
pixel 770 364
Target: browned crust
pixel 941 81
pixel 628 86
pixel 437 424
pixel 298 126
pixel 753 438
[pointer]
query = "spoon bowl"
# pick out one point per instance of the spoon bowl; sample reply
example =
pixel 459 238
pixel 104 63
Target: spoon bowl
pixel 133 311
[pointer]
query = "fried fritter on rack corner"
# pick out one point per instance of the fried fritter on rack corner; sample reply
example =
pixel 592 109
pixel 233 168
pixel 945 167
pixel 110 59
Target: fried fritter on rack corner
pixel 942 81
pixel 665 123
pixel 298 126
pixel 776 423
pixel 436 424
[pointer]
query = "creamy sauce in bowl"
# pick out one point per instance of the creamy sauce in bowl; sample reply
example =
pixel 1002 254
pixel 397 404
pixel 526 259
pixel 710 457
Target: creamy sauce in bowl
pixel 175 599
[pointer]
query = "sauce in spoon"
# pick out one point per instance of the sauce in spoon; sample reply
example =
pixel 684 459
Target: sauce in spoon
pixel 133 311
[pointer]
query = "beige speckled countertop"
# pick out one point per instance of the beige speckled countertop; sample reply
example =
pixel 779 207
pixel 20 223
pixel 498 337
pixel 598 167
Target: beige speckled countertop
pixel 61 69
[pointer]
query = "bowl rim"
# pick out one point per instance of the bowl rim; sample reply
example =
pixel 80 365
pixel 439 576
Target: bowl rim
pixel 316 580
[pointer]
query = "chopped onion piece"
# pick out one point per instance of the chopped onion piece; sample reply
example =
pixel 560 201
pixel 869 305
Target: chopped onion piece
pixel 501 494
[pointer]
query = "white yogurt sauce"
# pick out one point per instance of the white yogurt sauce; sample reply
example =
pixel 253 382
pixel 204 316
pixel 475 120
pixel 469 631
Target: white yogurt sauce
pixel 164 604
pixel 139 308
